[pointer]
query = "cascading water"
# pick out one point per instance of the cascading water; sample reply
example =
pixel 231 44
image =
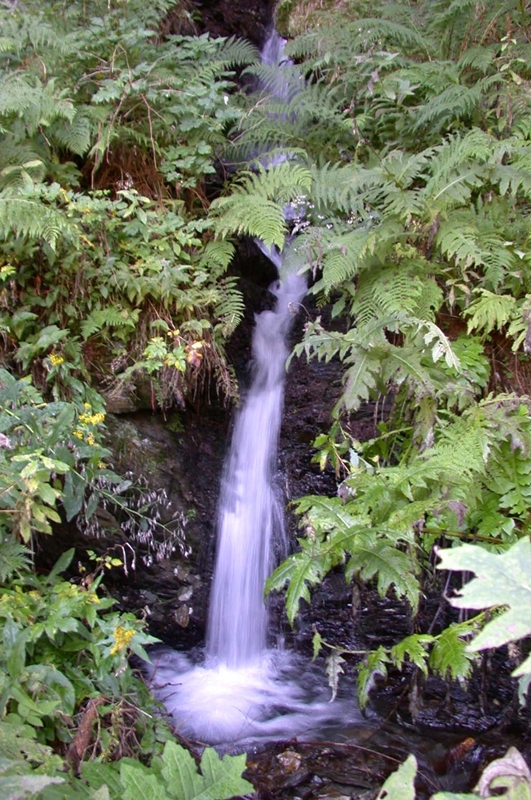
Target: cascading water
pixel 244 692
pixel 250 509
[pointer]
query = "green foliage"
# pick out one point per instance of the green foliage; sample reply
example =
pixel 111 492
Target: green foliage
pixel 173 774
pixel 132 249
pixel 509 772
pixel 399 785
pixel 502 580
pixel 413 230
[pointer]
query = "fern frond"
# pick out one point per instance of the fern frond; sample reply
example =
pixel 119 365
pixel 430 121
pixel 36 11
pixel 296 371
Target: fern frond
pixel 341 257
pixel 75 135
pixel 229 307
pixel 256 205
pixel 489 311
pixel 453 103
pixel 217 256
pixel 235 52
pixel 250 215
pixel 31 219
pixel 477 59
pixel 13 557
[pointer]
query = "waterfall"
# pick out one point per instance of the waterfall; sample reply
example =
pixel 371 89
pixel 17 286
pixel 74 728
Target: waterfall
pixel 250 509
pixel 241 691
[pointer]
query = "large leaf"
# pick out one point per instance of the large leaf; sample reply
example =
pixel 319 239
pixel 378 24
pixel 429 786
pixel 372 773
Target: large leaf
pixel 16 787
pixel 221 778
pixel 139 784
pixel 501 580
pixel 400 785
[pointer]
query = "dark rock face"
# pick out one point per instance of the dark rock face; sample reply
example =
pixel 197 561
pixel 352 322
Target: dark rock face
pixel 249 19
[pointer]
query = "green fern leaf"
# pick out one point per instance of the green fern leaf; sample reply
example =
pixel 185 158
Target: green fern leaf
pixel 490 311
pixel 450 656
pixel 299 570
pixel 415 648
pixel 391 568
pixel 14 557
pixel 250 215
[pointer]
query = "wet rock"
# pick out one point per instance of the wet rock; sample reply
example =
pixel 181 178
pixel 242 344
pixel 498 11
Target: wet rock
pixel 182 616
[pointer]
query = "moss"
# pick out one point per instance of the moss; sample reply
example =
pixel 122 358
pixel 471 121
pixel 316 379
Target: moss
pixel 282 16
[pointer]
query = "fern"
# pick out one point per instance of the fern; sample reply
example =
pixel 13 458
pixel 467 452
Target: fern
pixel 490 311
pixel 14 557
pixel 256 206
pixel 27 217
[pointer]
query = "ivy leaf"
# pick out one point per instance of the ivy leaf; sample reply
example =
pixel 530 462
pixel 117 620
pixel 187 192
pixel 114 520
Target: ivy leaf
pixel 400 785
pixel 502 579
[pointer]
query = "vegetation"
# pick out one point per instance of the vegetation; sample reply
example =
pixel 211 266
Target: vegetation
pixel 408 128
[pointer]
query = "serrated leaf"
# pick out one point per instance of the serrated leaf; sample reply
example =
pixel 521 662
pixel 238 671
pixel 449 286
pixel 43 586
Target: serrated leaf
pixel 317 643
pixel 139 784
pixel 299 570
pixel 502 579
pixel 400 785
pixel 222 777
pixel 334 670
pixel 391 567
pixel 415 648
pixel 180 772
pixel 450 654
pixel 375 663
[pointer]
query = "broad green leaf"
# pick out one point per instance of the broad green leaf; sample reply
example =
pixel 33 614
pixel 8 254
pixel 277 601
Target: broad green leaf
pixel 140 784
pixel 16 787
pixel 502 579
pixel 179 771
pixel 401 784
pixel 222 777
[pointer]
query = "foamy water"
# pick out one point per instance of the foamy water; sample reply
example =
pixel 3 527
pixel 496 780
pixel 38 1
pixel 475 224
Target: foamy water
pixel 282 697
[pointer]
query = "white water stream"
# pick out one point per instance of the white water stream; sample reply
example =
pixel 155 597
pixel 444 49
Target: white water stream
pixel 243 692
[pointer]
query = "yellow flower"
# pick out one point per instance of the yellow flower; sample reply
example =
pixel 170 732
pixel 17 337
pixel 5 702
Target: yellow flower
pixel 77 434
pixel 90 440
pixel 56 360
pixel 92 419
pixel 87 406
pixel 122 637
